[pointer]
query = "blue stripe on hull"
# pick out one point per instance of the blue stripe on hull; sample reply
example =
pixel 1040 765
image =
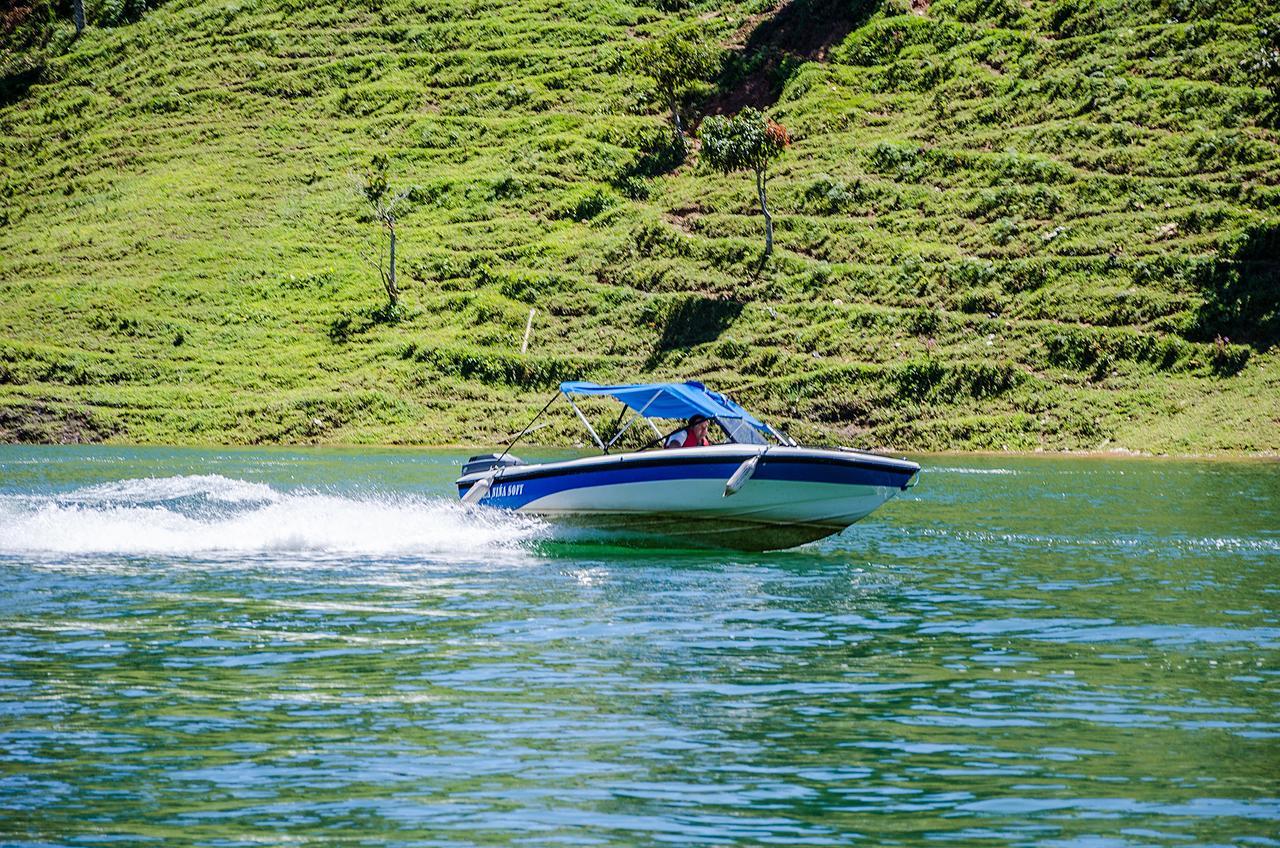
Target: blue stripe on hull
pixel 822 472
pixel 539 487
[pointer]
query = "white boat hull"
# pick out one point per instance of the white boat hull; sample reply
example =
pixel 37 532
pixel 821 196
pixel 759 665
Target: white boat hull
pixel 796 495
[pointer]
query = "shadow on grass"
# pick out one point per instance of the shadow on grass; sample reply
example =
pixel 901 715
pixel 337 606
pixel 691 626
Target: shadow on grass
pixel 15 86
pixel 1242 291
pixel 693 321
pixel 661 155
pixel 344 327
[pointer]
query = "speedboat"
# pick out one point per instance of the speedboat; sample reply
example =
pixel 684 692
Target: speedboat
pixel 758 490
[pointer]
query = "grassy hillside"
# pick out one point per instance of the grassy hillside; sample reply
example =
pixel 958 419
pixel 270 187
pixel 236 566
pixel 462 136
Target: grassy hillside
pixel 1000 225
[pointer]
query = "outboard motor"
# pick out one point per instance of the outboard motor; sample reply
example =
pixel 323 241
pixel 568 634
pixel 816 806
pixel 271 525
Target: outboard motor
pixel 489 461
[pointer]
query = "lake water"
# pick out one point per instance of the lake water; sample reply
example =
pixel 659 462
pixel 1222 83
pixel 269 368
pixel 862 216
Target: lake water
pixel 248 647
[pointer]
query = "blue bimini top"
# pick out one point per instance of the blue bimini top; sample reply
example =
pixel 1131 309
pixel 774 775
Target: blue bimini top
pixel 676 400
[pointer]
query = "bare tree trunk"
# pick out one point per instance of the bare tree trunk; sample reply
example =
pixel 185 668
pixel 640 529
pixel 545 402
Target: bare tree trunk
pixel 768 219
pixel 77 8
pixel 675 119
pixel 393 293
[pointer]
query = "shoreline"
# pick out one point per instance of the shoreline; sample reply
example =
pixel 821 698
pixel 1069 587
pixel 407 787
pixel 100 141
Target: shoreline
pixel 1110 453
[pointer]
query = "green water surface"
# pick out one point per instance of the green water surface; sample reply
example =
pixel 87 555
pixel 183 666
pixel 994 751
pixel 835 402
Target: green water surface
pixel 225 648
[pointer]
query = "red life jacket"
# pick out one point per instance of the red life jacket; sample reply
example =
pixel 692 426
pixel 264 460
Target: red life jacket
pixel 692 441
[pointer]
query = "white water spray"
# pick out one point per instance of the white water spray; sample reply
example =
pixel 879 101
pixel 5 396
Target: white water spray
pixel 192 515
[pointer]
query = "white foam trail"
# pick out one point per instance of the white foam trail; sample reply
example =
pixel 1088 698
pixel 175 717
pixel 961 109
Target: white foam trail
pixel 213 514
pixel 214 487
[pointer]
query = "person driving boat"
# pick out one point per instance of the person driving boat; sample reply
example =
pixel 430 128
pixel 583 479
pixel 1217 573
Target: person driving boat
pixel 694 434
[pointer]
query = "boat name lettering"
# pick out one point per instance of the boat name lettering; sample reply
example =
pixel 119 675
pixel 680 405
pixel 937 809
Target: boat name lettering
pixel 506 490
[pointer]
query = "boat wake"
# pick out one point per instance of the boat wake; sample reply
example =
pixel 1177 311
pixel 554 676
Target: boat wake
pixel 211 514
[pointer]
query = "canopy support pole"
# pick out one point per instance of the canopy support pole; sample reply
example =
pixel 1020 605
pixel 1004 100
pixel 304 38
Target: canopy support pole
pixel 587 424
pixel 639 413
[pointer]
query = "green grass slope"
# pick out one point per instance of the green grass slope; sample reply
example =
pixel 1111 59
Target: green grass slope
pixel 1001 225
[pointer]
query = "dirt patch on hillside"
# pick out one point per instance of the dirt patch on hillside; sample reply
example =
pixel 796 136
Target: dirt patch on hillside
pixel 45 424
pixel 771 46
pixel 686 217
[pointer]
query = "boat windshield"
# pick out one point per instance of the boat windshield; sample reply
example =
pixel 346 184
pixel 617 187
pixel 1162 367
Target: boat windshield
pixel 741 432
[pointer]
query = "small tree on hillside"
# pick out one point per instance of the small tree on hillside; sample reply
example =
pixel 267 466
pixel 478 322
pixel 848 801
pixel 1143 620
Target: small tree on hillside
pixel 385 206
pixel 1265 60
pixel 748 141
pixel 676 62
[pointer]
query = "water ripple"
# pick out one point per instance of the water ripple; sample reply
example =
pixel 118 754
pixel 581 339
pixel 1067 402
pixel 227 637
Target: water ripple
pixel 227 648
